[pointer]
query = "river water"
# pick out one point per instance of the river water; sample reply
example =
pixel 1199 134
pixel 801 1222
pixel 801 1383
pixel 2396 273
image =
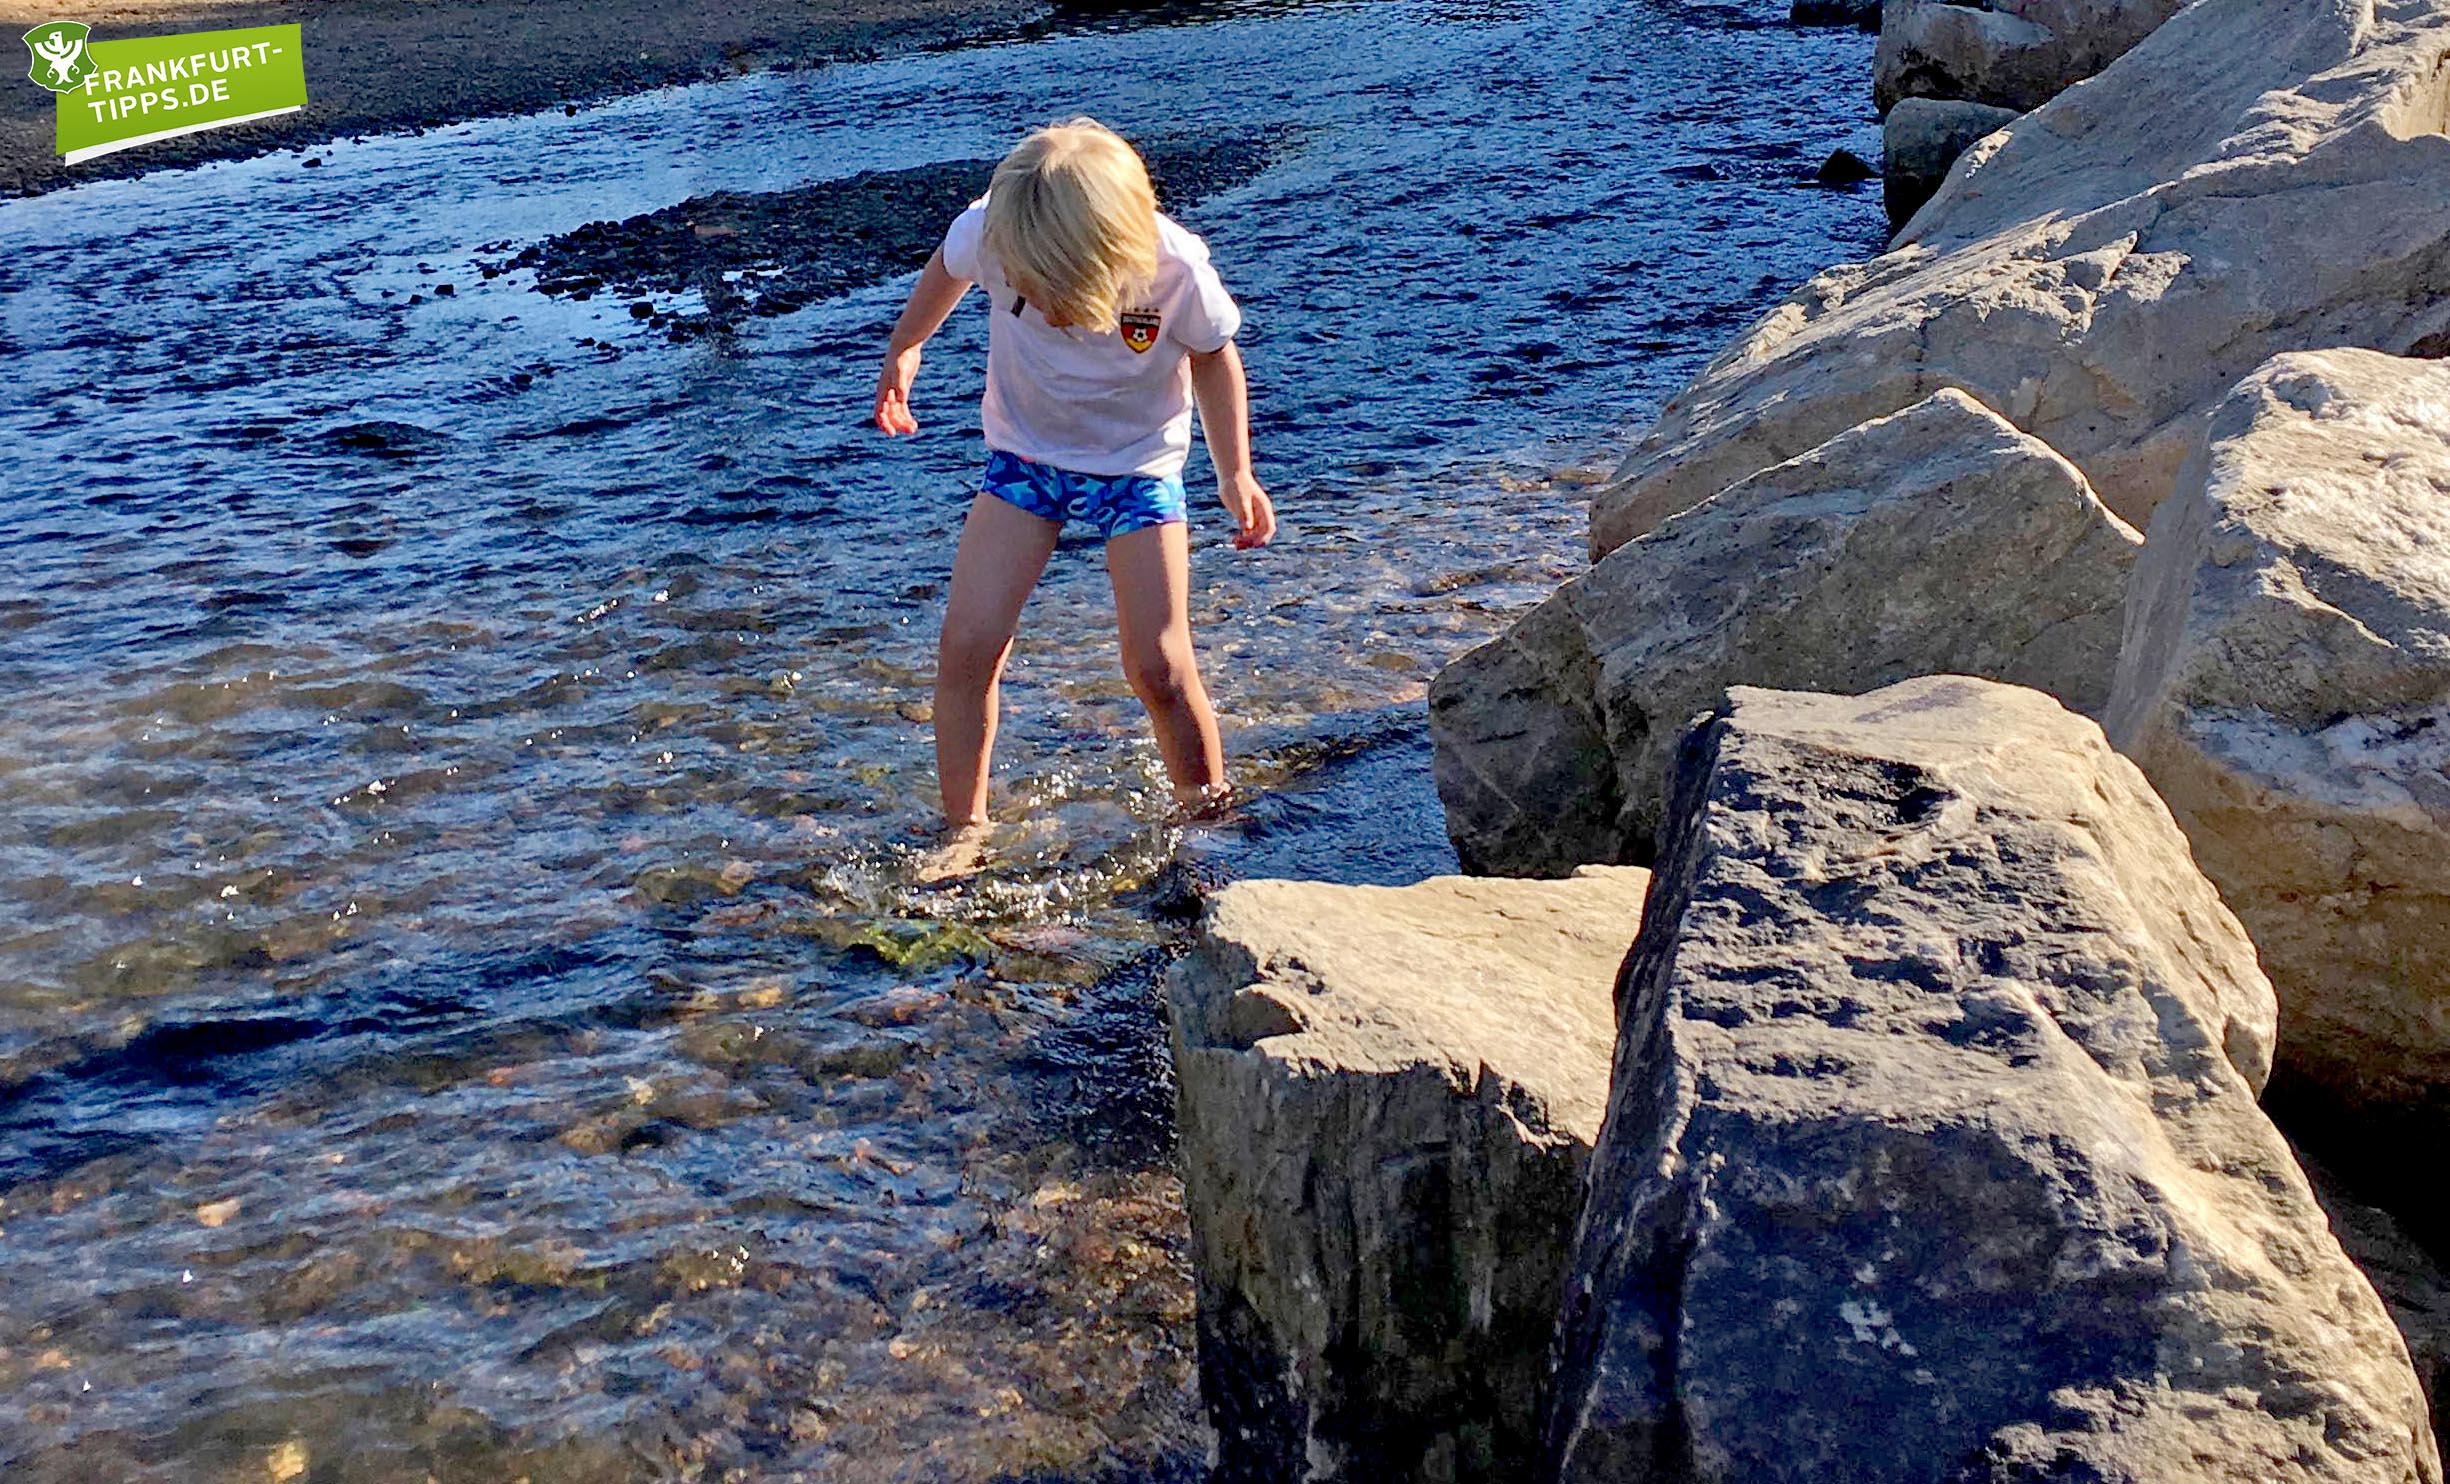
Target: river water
pixel 464 1013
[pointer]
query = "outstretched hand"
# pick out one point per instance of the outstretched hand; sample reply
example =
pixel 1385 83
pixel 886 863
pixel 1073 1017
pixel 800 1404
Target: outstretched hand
pixel 893 392
pixel 1251 509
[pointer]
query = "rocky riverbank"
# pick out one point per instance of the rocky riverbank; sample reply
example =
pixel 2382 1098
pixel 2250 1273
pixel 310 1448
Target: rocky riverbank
pixel 2022 665
pixel 377 66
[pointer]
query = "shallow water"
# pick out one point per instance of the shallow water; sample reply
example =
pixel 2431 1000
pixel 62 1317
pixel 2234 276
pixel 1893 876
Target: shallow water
pixel 463 1012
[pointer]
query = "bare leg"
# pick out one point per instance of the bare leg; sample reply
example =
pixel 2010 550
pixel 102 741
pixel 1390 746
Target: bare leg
pixel 1151 570
pixel 1003 549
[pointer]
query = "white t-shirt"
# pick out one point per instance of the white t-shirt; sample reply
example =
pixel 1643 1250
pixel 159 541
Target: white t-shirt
pixel 1116 403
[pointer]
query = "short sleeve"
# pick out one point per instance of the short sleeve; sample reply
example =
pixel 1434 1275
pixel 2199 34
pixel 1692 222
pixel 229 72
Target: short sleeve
pixel 961 240
pixel 1207 316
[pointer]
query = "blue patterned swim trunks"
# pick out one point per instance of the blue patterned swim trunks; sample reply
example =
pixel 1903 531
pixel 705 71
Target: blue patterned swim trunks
pixel 1114 503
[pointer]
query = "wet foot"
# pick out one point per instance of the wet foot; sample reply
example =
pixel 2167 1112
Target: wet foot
pixel 1207 806
pixel 956 853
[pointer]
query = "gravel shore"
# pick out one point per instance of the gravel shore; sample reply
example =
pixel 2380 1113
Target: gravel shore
pixel 379 65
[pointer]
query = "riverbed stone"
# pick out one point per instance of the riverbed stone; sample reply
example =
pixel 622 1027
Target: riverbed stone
pixel 1920 139
pixel 2016 54
pixel 1844 168
pixel 2255 177
pixel 1387 1098
pixel 1932 1151
pixel 1860 15
pixel 1937 540
pixel 2286 685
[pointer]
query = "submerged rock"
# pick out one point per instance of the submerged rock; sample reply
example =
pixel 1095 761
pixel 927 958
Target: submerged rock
pixel 1388 1095
pixel 2286 685
pixel 1920 139
pixel 1844 168
pixel 1932 1152
pixel 2257 176
pixel 1937 540
pixel 385 438
pixel 2015 54
pixel 1862 15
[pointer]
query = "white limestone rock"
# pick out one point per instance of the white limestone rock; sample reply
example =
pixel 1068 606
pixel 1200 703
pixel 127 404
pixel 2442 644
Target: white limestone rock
pixel 2255 177
pixel 1937 540
pixel 2016 54
pixel 2285 682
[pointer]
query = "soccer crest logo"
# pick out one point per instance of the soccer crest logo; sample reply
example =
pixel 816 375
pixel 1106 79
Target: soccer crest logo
pixel 1139 329
pixel 60 60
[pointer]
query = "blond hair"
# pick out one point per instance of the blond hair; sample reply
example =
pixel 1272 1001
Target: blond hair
pixel 1073 217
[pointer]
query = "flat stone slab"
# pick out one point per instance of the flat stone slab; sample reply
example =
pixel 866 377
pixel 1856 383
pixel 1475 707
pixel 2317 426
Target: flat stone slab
pixel 1388 1095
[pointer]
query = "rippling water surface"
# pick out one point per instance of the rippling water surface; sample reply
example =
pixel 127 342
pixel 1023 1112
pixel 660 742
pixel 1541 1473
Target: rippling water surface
pixel 463 1010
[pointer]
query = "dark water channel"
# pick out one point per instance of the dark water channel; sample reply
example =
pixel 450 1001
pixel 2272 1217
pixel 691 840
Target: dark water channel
pixel 463 1010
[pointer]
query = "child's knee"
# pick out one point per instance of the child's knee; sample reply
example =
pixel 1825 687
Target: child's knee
pixel 1159 674
pixel 969 657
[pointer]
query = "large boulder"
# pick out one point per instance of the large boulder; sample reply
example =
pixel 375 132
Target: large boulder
pixel 2257 176
pixel 2015 54
pixel 1937 540
pixel 1932 1152
pixel 2286 685
pixel 1920 139
pixel 1388 1096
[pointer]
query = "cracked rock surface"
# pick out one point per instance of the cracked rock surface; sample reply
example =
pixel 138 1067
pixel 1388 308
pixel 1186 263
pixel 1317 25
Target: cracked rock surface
pixel 1388 1095
pixel 1932 1152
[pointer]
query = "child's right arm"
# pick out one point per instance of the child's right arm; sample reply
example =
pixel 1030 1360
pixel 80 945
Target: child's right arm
pixel 931 299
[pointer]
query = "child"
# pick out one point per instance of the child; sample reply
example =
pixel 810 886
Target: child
pixel 1105 323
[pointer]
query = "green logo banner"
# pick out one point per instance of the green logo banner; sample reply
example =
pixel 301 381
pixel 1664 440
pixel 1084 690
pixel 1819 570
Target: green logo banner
pixel 127 93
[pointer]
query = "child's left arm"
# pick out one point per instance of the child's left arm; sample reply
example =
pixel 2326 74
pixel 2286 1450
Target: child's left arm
pixel 1224 416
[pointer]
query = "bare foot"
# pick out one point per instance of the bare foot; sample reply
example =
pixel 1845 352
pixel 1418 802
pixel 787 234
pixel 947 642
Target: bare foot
pixel 956 853
pixel 1211 803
